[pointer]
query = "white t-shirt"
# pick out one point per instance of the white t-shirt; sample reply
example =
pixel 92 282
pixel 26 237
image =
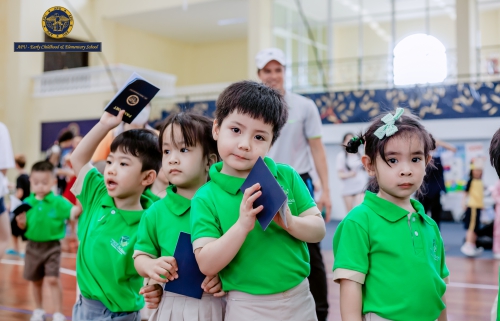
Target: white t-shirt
pixel 6 154
pixel 353 185
pixel 304 122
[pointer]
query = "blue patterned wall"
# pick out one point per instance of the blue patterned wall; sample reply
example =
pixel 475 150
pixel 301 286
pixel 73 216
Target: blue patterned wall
pixel 430 102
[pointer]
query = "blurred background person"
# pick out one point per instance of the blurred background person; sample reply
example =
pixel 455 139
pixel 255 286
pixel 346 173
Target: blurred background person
pixel 353 178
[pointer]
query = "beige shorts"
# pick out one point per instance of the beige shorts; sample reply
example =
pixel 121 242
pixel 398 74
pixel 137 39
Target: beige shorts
pixel 176 307
pixel 294 304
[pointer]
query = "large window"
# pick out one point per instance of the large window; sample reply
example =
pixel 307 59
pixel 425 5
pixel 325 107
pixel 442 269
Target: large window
pixel 419 59
pixel 349 44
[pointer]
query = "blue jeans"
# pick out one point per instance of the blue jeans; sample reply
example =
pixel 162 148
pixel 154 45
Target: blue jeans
pixel 93 310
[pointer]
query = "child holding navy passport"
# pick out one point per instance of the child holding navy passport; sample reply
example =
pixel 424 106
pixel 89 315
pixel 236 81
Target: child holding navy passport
pixel 188 152
pixel 113 204
pixel 264 272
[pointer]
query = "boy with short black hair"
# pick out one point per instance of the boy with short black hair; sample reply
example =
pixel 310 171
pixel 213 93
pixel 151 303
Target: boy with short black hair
pixel 265 272
pixel 113 206
pixel 45 227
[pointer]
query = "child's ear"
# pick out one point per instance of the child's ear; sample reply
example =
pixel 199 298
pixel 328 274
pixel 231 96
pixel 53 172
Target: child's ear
pixel 148 177
pixel 367 163
pixel 215 130
pixel 212 159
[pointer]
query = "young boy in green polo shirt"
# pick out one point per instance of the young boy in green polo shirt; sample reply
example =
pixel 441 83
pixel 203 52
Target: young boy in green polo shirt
pixel 45 225
pixel 264 272
pixel 113 205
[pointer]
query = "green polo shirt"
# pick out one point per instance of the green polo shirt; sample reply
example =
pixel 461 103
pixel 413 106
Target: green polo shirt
pixel 401 259
pixel 105 267
pixel 268 262
pixel 46 219
pixel 162 224
pixel 149 194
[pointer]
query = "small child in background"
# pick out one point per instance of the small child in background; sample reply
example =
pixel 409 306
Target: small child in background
pixel 474 198
pixel 45 227
pixel 22 192
pixel 188 152
pixel 388 254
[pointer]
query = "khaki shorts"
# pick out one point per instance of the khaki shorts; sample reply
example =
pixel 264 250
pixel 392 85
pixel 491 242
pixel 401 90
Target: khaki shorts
pixel 296 304
pixel 42 259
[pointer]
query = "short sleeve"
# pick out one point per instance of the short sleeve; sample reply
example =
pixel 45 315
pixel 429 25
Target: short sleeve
pixel 445 273
pixel 341 160
pixel 204 222
pixel 351 248
pixel 302 196
pixel 64 208
pixel 147 237
pixel 312 124
pixel 88 185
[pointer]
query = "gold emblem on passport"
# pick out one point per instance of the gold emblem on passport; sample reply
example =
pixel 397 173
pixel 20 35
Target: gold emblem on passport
pixel 57 22
pixel 132 100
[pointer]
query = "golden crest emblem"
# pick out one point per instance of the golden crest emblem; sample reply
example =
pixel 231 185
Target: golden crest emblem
pixel 57 22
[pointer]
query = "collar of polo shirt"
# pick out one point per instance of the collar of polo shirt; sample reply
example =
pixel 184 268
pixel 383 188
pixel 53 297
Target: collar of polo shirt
pixel 391 211
pixel 233 184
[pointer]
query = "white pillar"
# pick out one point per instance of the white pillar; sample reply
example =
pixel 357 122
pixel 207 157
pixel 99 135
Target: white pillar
pixel 467 38
pixel 259 31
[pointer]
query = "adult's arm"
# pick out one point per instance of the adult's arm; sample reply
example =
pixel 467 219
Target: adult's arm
pixel 319 157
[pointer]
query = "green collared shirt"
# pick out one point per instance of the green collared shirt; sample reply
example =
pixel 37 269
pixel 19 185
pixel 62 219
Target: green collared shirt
pixel 162 224
pixel 105 267
pixel 149 194
pixel 45 221
pixel 268 262
pixel 399 256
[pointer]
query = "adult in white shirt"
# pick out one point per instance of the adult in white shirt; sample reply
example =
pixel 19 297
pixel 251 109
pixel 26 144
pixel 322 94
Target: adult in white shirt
pixel 300 139
pixel 6 162
pixel 352 176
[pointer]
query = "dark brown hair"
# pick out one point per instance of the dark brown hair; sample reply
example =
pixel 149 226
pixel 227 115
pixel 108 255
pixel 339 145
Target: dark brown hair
pixel 408 125
pixel 196 129
pixel 140 143
pixel 20 160
pixel 256 100
pixel 495 152
pixel 43 166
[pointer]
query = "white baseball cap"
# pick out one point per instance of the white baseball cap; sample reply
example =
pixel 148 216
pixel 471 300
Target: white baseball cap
pixel 267 55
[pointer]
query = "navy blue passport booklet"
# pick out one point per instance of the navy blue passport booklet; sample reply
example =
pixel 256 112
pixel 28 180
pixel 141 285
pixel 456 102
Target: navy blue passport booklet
pixel 133 97
pixel 17 206
pixel 273 197
pixel 190 276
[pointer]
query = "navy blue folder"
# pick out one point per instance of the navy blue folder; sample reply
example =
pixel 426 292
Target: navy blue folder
pixel 273 197
pixel 24 207
pixel 133 97
pixel 190 276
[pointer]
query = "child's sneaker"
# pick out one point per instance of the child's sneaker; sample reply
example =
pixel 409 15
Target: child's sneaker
pixel 470 250
pixel 58 316
pixel 496 256
pixel 12 252
pixel 38 315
